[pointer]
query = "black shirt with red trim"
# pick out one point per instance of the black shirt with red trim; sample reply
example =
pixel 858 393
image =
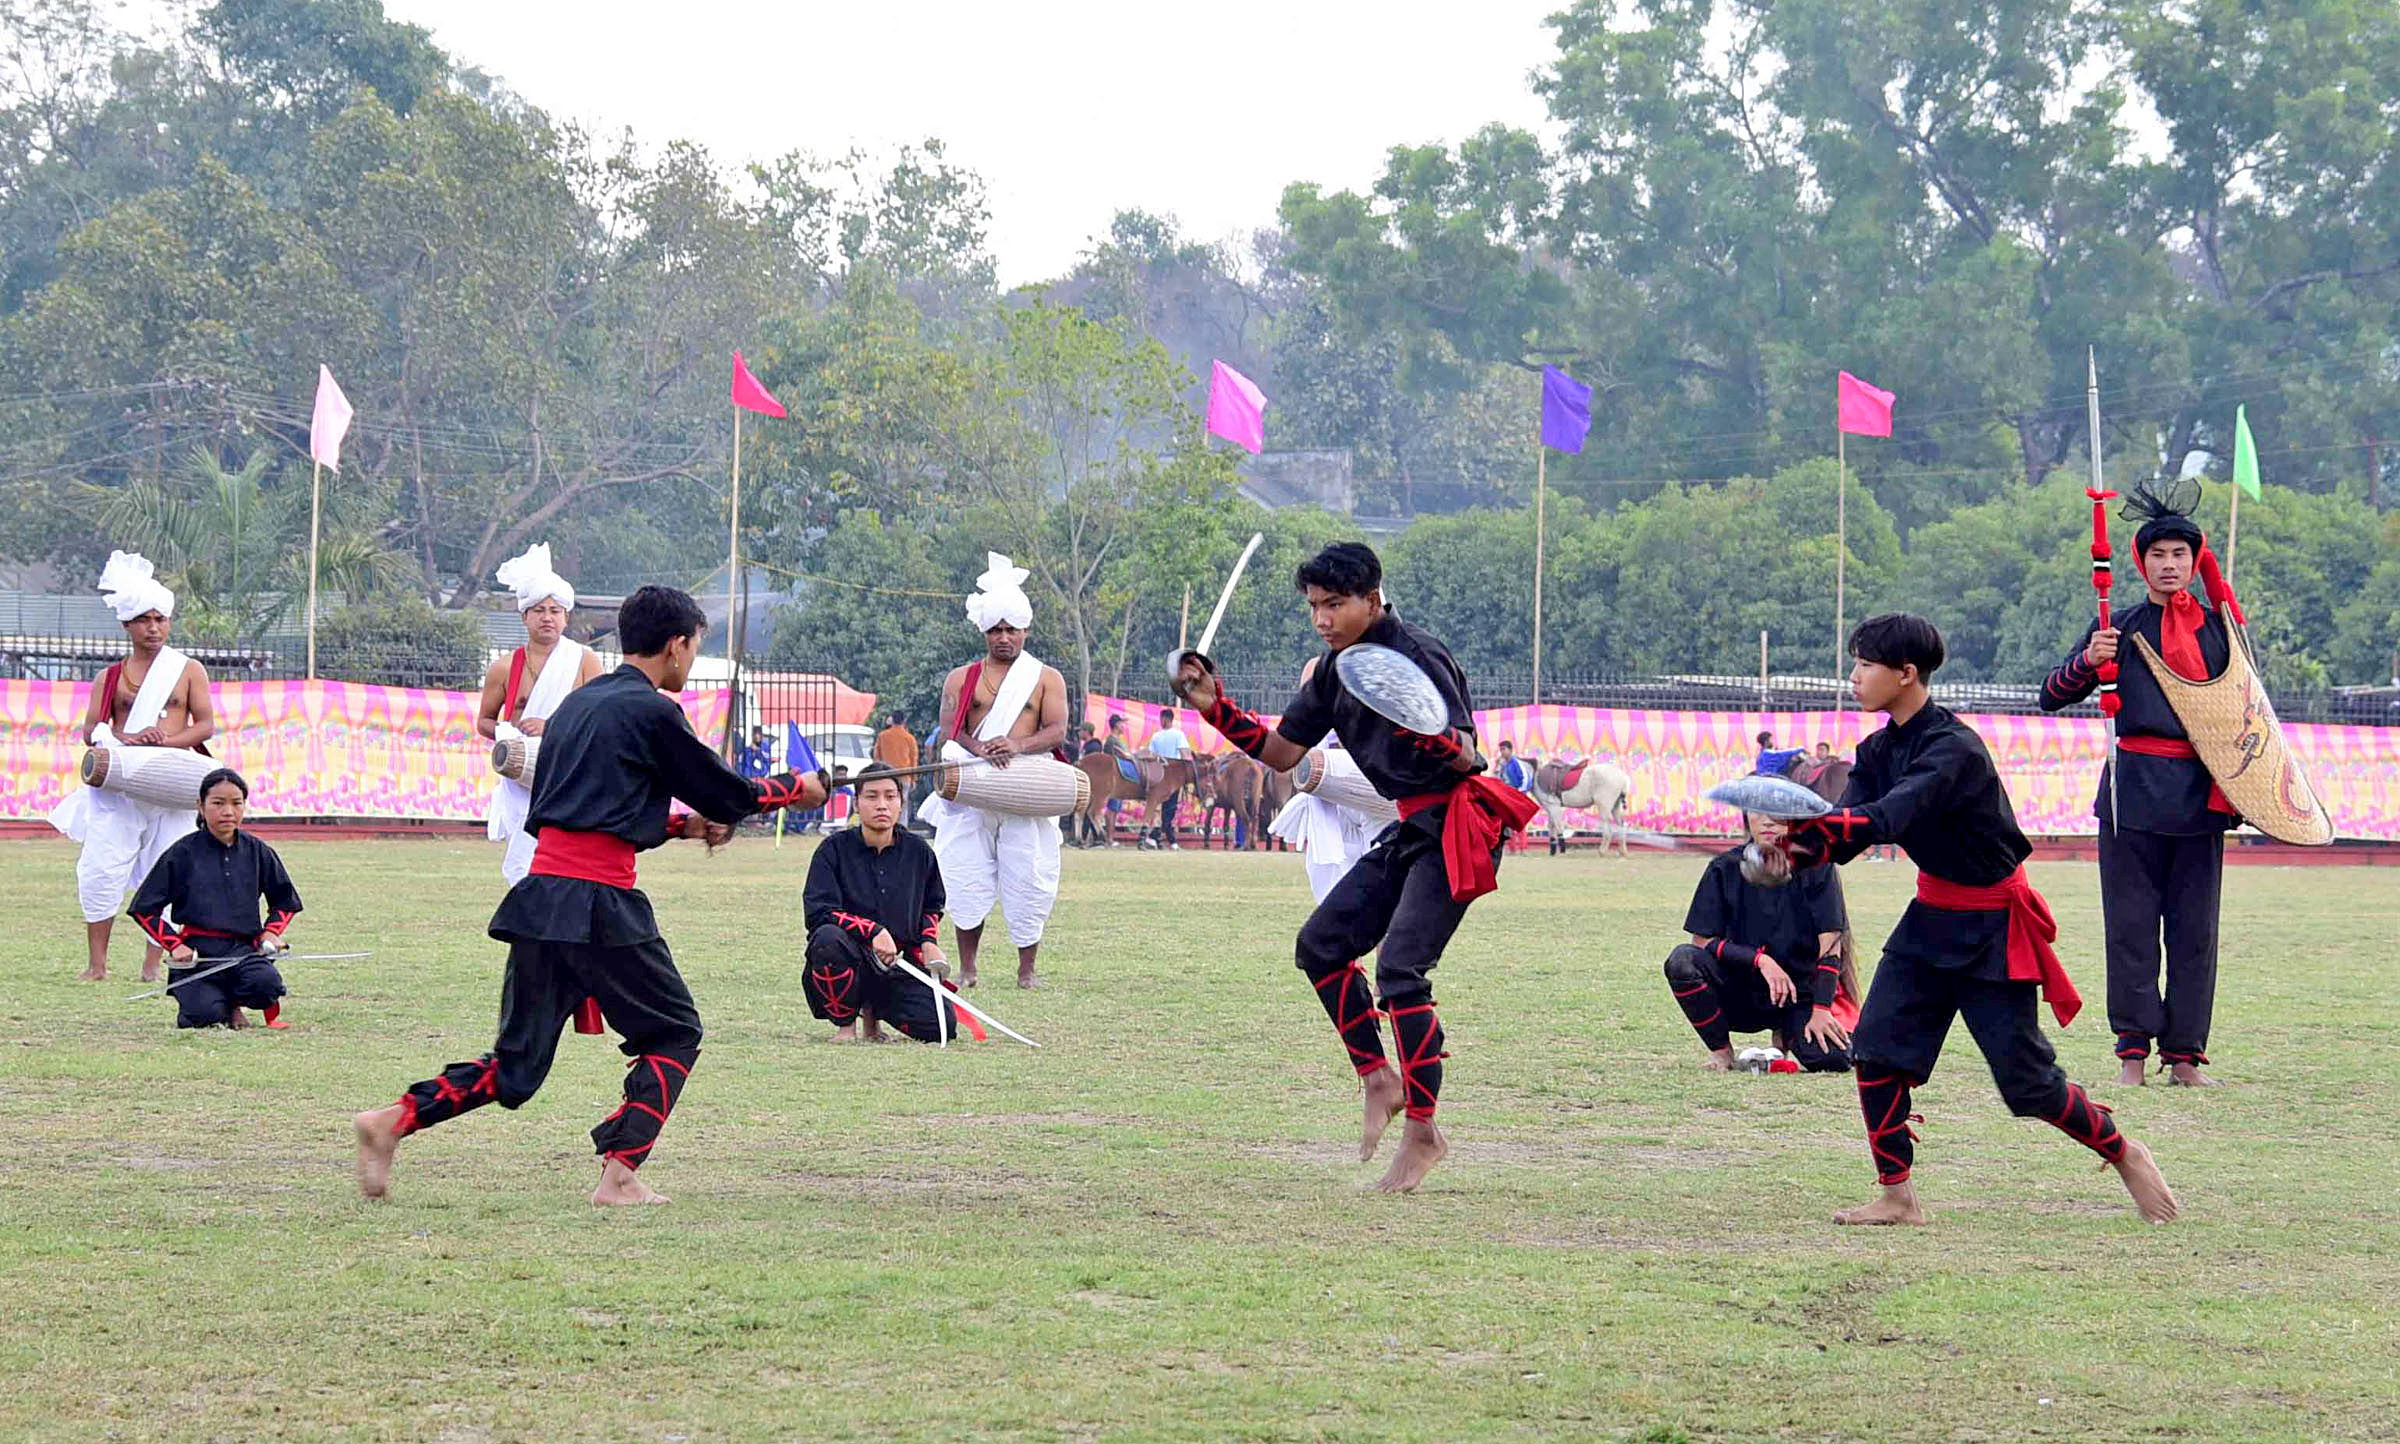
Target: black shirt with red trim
pixel 613 755
pixel 1395 766
pixel 2167 795
pixel 863 888
pixel 206 894
pixel 1786 921
pixel 1929 785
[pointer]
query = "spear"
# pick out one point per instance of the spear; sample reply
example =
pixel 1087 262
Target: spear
pixel 2103 572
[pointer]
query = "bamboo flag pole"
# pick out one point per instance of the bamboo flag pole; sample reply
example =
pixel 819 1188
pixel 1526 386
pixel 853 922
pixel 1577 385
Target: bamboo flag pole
pixel 733 571
pixel 2233 531
pixel 1841 555
pixel 1541 486
pixel 1183 629
pixel 316 495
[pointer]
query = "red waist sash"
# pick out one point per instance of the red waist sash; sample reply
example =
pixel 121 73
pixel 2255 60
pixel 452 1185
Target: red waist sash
pixel 2031 931
pixel 2179 748
pixel 1483 810
pixel 599 857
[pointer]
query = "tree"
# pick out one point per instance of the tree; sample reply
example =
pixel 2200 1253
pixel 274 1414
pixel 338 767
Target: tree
pixel 402 641
pixel 873 613
pixel 236 551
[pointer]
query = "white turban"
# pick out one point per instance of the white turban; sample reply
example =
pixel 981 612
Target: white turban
pixel 130 587
pixel 1000 595
pixel 531 578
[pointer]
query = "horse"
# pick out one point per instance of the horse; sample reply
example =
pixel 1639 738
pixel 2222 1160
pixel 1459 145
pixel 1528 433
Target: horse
pixel 1234 783
pixel 1152 782
pixel 1600 787
pixel 1827 779
pixel 1274 790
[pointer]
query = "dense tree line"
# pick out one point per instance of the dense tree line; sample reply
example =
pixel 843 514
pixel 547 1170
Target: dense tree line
pixel 534 324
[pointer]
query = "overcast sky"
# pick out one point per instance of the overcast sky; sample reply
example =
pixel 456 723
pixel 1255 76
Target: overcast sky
pixel 1070 109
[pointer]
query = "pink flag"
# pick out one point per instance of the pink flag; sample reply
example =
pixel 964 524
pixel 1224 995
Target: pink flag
pixel 330 422
pixel 1860 409
pixel 1236 408
pixel 748 394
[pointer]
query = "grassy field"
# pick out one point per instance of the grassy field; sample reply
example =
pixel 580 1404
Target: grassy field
pixel 1154 1228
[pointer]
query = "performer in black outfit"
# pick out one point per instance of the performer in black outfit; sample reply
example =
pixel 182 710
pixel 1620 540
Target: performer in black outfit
pixel 213 879
pixel 1766 959
pixel 615 751
pixel 2162 856
pixel 874 893
pixel 1404 899
pixel 1975 943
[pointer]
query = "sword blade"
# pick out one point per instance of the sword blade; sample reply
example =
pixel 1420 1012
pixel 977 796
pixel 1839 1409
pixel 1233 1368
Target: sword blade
pixel 1208 634
pixel 955 1000
pixel 251 958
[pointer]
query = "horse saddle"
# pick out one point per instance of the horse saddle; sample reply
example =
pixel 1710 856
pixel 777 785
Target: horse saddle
pixel 1130 770
pixel 1556 777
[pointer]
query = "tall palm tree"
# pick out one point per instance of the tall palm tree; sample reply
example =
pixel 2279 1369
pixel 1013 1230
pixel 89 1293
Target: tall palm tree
pixel 236 550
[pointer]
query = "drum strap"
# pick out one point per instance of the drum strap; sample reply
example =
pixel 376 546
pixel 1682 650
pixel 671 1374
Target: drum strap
pixel 516 680
pixel 108 689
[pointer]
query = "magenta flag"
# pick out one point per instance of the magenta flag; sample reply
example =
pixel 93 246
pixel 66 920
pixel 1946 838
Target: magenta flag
pixel 1237 409
pixel 748 394
pixel 330 421
pixel 1860 409
pixel 1566 411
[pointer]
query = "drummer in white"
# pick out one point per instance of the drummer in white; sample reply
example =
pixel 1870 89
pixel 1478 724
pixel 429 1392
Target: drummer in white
pixel 1006 706
pixel 521 690
pixel 157 697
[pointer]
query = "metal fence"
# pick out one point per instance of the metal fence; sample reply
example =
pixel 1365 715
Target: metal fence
pixel 771 700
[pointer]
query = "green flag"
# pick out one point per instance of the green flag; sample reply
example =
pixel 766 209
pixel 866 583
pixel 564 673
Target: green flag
pixel 2245 455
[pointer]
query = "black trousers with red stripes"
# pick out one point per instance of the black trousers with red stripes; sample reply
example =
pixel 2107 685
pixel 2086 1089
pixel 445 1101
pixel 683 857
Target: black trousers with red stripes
pixel 840 976
pixel 1907 1016
pixel 643 998
pixel 2154 889
pixel 1718 1003
pixel 211 1001
pixel 1395 903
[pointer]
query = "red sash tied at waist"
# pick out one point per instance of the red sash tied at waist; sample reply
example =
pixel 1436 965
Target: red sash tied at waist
pixel 1482 810
pixel 599 857
pixel 2031 931
pixel 2179 748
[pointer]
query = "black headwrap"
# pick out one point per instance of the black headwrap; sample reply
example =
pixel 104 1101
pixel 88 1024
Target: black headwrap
pixel 2162 510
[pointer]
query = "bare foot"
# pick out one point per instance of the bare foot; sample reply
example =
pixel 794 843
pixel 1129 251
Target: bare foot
pixel 619 1184
pixel 1385 1097
pixel 97 973
pixel 2131 1074
pixel 1720 1061
pixel 378 1131
pixel 152 972
pixel 1897 1204
pixel 2188 1075
pixel 2147 1185
pixel 1421 1147
pixel 1028 981
pixel 847 1033
pixel 237 1019
pixel 966 975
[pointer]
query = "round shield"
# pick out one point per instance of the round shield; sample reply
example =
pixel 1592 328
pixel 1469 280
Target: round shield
pixel 1394 688
pixel 1777 797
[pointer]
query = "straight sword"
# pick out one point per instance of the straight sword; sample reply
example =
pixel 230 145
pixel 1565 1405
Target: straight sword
pixel 250 958
pixel 941 993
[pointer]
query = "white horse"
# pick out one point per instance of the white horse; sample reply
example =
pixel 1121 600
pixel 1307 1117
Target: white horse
pixel 1600 787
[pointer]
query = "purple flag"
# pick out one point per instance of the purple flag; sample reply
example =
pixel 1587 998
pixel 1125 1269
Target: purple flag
pixel 1236 408
pixel 1566 411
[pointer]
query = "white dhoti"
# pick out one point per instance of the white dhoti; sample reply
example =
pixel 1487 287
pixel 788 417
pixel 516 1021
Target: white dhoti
pixel 993 857
pixel 123 837
pixel 996 857
pixel 1331 839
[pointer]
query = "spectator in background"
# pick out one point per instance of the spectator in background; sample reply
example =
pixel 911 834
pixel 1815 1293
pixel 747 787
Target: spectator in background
pixel 1168 744
pixel 1774 762
pixel 896 748
pixel 1514 771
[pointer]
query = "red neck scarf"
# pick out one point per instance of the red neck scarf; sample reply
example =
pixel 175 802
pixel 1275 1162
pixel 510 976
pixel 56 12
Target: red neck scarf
pixel 2181 618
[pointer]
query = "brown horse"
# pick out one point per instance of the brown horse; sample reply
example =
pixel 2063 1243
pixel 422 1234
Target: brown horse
pixel 1159 780
pixel 1828 779
pixel 1233 784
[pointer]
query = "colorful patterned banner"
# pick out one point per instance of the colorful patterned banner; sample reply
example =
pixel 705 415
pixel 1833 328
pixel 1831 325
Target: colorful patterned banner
pixel 2051 764
pixel 308 749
